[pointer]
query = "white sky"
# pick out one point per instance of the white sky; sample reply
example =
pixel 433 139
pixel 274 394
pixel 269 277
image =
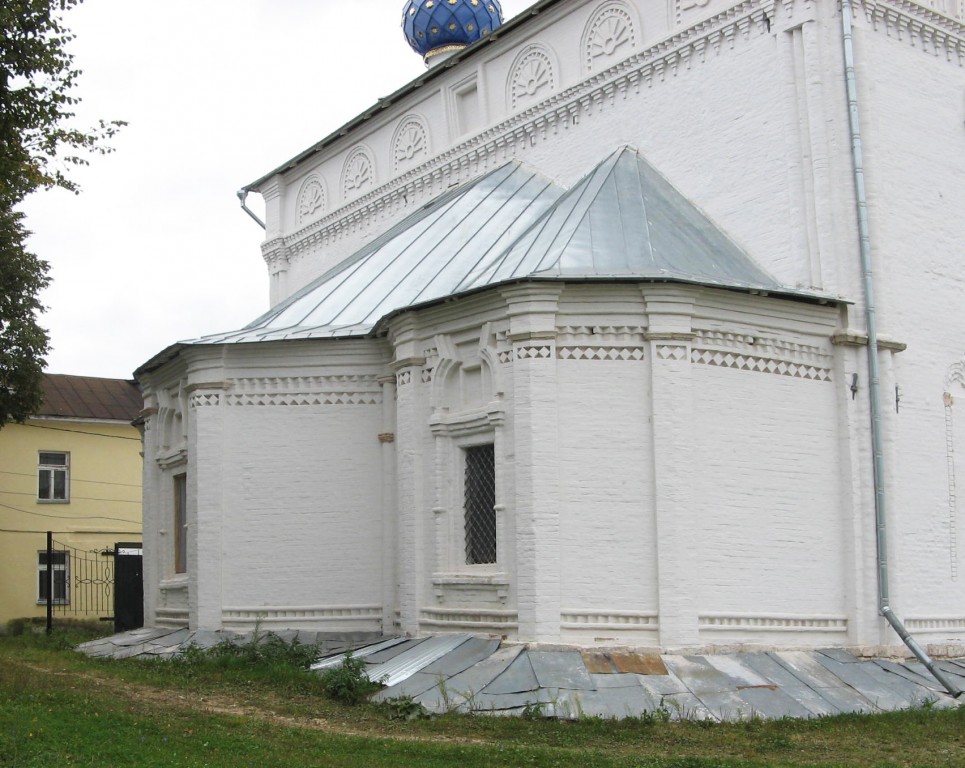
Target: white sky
pixel 217 93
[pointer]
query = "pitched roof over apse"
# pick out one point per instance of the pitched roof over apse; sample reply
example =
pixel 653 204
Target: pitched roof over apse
pixel 421 259
pixel 623 221
pixel 86 397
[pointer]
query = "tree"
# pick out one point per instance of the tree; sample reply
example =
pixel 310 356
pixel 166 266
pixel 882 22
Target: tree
pixel 38 146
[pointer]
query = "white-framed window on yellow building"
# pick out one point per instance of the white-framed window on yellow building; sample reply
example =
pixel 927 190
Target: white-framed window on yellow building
pixel 60 564
pixel 53 477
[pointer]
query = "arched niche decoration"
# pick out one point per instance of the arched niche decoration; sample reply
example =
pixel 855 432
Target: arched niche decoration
pixel 532 77
pixel 311 199
pixel 410 143
pixel 465 384
pixel 358 173
pixel 610 35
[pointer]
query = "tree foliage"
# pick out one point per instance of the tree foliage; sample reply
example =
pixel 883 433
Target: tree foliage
pixel 38 146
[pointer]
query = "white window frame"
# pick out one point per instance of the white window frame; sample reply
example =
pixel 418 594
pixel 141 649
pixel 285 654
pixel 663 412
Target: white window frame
pixel 51 470
pixel 63 568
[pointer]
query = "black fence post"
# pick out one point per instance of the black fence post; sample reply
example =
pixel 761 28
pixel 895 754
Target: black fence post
pixel 49 576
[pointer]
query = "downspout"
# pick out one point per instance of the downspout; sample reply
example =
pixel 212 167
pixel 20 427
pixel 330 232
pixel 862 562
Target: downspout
pixel 881 539
pixel 242 196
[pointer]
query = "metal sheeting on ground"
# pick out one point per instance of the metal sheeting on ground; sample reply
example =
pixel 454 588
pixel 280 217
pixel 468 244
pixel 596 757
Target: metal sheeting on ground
pixel 368 650
pixel 460 673
pixel 414 660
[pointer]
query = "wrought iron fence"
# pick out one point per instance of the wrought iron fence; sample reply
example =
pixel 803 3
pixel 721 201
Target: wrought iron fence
pixel 76 582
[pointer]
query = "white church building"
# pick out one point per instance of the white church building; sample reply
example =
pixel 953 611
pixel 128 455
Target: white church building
pixel 629 322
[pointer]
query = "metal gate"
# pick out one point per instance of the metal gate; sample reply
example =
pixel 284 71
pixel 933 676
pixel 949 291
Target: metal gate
pixel 104 584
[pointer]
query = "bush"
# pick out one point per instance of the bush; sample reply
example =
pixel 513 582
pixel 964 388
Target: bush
pixel 348 682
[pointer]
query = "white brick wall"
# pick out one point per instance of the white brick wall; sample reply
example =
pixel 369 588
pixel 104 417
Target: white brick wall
pixel 670 498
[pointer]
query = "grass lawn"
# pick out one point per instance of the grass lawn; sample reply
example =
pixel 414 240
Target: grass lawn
pixel 58 708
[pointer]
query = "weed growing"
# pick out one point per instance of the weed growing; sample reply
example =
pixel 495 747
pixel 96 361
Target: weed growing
pixel 348 683
pixel 268 650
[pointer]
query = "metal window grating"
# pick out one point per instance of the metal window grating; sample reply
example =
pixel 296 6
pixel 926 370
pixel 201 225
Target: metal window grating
pixel 480 502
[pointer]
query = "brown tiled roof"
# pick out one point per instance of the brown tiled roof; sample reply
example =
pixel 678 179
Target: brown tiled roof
pixel 86 397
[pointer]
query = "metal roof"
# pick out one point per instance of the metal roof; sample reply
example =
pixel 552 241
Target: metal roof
pixel 623 221
pixel 425 257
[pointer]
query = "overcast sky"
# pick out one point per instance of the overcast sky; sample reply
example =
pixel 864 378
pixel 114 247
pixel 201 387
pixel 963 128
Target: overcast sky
pixel 156 248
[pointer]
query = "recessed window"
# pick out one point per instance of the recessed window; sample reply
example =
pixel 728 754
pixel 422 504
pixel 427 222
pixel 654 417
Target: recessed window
pixel 60 565
pixel 180 523
pixel 480 504
pixel 53 477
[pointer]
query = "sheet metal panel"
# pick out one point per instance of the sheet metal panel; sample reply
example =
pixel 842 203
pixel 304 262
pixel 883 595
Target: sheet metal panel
pixel 409 662
pixel 362 652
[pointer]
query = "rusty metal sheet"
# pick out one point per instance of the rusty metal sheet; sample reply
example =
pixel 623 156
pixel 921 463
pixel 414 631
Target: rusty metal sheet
pixel 598 663
pixel 638 663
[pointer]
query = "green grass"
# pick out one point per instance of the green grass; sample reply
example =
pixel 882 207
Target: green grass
pixel 58 708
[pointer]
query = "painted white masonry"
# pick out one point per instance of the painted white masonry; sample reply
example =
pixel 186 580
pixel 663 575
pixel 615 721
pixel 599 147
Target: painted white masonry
pixel 677 466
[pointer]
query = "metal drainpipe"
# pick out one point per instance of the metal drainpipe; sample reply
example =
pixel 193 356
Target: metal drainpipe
pixel 876 440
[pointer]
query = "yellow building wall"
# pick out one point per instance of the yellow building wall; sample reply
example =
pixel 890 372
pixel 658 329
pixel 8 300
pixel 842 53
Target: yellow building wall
pixel 104 504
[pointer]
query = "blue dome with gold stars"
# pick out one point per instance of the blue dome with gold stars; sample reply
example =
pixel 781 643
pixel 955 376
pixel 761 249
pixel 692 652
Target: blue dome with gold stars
pixel 440 26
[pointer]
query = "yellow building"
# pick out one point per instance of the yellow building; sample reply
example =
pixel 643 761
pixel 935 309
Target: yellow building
pixel 73 469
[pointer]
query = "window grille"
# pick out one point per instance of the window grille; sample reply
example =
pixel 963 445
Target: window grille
pixel 480 502
pixel 180 523
pixel 60 577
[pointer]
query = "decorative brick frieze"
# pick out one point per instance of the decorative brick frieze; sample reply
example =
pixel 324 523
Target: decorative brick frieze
pixel 745 352
pixel 356 615
pixel 205 399
pixel 933 32
pixel 604 619
pixel 599 353
pixel 302 384
pixel 935 623
pixel 759 364
pixel 671 351
pixel 580 342
pixel 533 351
pixel 468 618
pixel 718 622
pixel 304 398
pixel 358 389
